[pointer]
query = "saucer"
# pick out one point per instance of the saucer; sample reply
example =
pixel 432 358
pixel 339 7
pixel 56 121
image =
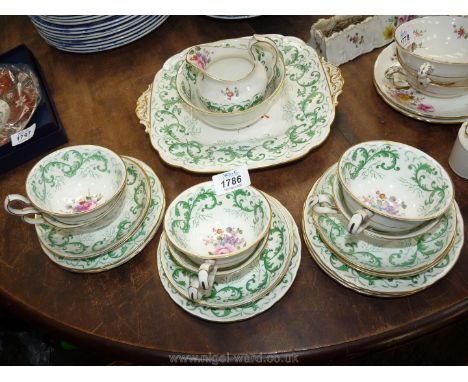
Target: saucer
pixel 248 286
pixel 133 245
pixel 102 237
pixel 247 311
pixel 412 103
pixel 382 257
pixel 372 285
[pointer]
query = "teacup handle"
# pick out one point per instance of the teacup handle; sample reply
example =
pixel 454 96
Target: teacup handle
pixel 424 71
pixel 390 75
pixel 24 211
pixel 359 221
pixel 323 204
pixel 194 291
pixel 206 274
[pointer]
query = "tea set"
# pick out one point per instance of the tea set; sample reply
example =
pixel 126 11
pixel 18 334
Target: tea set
pixel 382 221
pixel 88 204
pixel 424 73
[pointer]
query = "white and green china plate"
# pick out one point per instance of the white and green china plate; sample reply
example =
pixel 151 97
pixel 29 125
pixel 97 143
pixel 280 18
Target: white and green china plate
pixel 412 103
pixel 94 240
pixel 373 285
pixel 261 277
pixel 299 120
pixel 252 309
pixel 133 245
pixel 382 257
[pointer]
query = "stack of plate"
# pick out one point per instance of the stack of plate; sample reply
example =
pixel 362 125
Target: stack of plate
pixel 244 245
pixel 93 210
pixel 375 262
pixel 89 34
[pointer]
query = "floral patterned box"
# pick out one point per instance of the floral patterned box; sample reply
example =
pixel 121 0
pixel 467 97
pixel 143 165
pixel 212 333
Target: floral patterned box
pixel 340 39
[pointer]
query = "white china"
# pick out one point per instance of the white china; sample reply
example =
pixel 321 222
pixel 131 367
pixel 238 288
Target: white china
pixel 392 187
pixel 240 288
pixel 181 259
pixel 230 113
pixel 411 102
pixel 458 159
pixel 374 285
pixel 298 121
pixel 376 256
pixel 217 231
pixel 338 199
pixel 243 312
pixel 109 232
pixel 232 79
pixel 433 51
pixel 73 185
pixel 133 245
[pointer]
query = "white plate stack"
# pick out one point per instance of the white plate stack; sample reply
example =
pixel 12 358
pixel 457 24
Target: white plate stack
pixel 91 34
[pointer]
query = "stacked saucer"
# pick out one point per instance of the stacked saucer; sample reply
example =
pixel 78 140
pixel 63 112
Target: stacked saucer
pixel 424 73
pixel 88 34
pixel 93 210
pixel 227 257
pixel 383 220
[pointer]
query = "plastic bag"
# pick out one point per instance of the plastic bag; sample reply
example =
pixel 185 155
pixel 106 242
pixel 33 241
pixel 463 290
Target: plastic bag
pixel 19 97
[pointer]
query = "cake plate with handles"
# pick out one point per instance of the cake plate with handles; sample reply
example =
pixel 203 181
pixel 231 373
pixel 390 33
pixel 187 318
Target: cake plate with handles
pixel 299 120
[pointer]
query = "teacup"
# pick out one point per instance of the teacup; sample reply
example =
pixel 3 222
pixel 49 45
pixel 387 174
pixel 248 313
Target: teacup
pixel 237 118
pixel 458 159
pixel 71 187
pixel 217 231
pixel 231 79
pixel 433 54
pixel 194 289
pixel 392 187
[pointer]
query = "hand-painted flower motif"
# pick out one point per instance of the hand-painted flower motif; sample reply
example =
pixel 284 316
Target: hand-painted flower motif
pixel 230 93
pixel 356 39
pixel 84 203
pixel 201 57
pixel 381 202
pixel 408 96
pixel 225 241
pixel 425 107
pixel 460 32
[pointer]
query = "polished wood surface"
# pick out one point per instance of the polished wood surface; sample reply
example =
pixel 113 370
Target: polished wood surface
pixel 126 311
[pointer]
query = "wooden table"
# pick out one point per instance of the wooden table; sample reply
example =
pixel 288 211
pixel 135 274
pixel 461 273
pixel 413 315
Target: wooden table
pixel 126 311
